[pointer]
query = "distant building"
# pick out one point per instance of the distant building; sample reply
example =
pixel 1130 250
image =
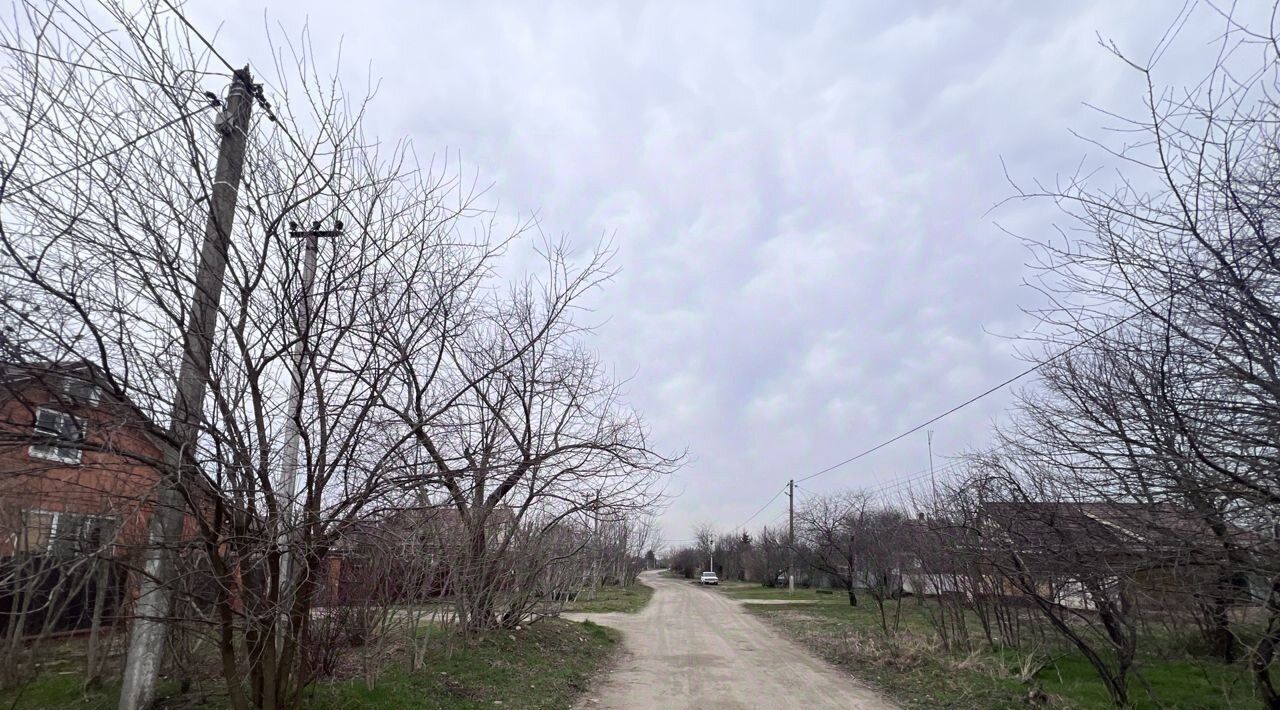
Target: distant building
pixel 1074 550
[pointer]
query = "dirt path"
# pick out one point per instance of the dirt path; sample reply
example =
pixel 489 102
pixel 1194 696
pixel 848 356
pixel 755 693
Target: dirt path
pixel 696 648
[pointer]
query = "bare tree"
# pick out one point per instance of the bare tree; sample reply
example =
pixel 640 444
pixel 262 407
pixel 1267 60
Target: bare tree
pixel 705 536
pixel 1173 278
pixel 418 377
pixel 771 553
pixel 518 429
pixel 831 532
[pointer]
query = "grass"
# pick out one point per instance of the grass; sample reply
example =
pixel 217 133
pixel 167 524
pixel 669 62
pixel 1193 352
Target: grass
pixel 905 667
pixel 748 590
pixel 914 670
pixel 62 691
pixel 544 665
pixel 1174 684
pixel 58 691
pixel 627 599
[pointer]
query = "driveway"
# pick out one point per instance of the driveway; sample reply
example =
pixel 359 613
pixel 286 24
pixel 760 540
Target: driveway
pixel 692 647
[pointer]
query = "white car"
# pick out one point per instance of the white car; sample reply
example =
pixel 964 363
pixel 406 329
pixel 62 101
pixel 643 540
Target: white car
pixel 708 578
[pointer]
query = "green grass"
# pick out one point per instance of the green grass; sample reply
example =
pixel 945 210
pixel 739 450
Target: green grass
pixel 545 665
pixel 58 681
pixel 912 668
pixel 58 691
pixel 62 691
pixel 1173 684
pixel 613 598
pixel 748 590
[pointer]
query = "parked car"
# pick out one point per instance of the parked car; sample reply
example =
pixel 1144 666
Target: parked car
pixel 709 578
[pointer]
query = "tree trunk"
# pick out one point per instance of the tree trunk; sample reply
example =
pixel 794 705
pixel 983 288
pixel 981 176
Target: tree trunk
pixel 1266 648
pixel 92 677
pixel 1222 641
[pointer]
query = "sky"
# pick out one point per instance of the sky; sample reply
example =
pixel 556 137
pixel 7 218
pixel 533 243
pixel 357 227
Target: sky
pixel 808 200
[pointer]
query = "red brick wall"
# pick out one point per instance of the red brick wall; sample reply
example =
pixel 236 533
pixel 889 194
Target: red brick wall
pixel 113 477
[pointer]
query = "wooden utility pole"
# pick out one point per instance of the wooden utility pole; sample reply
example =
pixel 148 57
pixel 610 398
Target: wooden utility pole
pixel 151 611
pixel 791 536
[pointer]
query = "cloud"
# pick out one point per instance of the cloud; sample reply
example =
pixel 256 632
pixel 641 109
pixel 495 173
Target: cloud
pixel 799 196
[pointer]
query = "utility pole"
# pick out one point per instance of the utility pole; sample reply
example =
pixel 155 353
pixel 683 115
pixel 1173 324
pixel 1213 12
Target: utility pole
pixel 596 558
pixel 929 437
pixel 151 611
pixel 791 536
pixel 287 488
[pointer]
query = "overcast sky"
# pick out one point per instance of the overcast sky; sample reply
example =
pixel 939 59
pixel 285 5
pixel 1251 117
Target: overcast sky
pixel 800 194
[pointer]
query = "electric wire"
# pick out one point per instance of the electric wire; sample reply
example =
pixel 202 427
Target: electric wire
pixel 759 511
pixel 990 391
pixel 103 70
pixel 256 92
pixel 933 472
pixel 127 144
pixel 200 36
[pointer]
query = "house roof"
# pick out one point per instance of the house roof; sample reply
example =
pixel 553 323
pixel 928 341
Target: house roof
pixel 1104 527
pixel 15 378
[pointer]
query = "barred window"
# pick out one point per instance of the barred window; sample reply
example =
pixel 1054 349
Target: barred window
pixel 58 436
pixel 64 533
pixel 79 390
pixel 77 534
pixel 36 531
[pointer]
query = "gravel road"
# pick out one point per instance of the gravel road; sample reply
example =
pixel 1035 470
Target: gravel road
pixel 692 647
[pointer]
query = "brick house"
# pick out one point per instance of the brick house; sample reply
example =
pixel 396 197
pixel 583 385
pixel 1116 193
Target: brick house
pixel 77 470
pixel 1165 554
pixel 416 547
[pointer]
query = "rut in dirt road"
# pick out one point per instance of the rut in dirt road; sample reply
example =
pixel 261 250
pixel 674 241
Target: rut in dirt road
pixel 695 648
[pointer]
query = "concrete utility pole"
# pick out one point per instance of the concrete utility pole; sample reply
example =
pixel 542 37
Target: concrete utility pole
pixel 151 612
pixel 597 555
pixel 933 481
pixel 791 536
pixel 293 435
pixel 288 485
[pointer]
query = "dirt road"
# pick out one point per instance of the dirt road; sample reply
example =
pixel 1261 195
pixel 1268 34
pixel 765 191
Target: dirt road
pixel 695 648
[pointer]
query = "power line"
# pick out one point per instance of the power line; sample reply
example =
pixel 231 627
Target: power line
pixel 108 154
pixel 741 525
pixel 922 475
pixel 761 510
pixel 104 70
pixel 255 90
pixel 927 473
pixel 986 393
pixel 200 36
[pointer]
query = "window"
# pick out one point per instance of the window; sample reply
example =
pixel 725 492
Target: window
pixel 77 534
pixel 64 533
pixel 80 391
pixel 37 530
pixel 59 435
